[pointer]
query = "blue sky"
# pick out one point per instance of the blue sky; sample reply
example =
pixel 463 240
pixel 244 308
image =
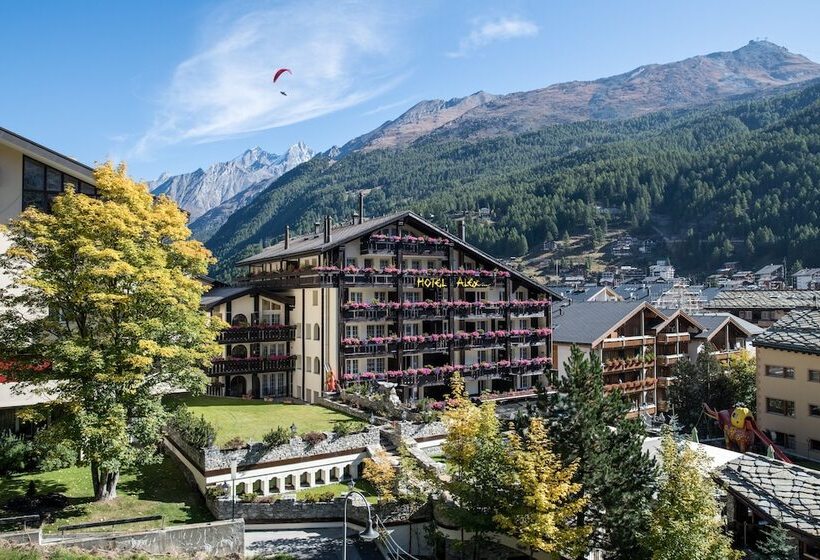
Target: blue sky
pixel 172 86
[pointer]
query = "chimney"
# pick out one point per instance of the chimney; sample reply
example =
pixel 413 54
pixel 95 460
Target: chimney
pixel 462 230
pixel 361 207
pixel 316 227
pixel 287 237
pixel 327 229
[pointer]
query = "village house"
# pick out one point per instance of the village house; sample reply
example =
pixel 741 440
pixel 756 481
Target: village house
pixel 761 307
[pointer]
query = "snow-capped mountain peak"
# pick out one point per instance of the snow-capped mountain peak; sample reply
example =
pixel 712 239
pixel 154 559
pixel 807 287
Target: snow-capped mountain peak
pixel 201 190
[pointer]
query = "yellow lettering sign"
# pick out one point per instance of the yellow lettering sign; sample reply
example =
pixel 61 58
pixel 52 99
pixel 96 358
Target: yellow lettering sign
pixel 470 283
pixel 431 283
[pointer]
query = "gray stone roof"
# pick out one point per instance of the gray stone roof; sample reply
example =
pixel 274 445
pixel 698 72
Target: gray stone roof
pixel 578 294
pixel 586 322
pixel 769 269
pixel 764 299
pixel 798 331
pixel 712 322
pixel 807 272
pixel 789 494
pixel 649 291
pixel 222 293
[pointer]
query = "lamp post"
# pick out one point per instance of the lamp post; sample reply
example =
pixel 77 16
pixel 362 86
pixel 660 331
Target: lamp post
pixel 369 534
pixel 233 489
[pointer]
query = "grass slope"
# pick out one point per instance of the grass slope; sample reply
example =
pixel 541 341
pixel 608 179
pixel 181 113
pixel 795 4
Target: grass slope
pixel 252 419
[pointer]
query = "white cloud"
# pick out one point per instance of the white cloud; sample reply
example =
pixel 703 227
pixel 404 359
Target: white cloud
pixel 485 32
pixel 340 53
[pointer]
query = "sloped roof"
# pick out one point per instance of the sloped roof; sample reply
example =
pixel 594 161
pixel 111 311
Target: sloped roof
pixel 807 272
pixel 43 153
pixel 769 269
pixel 221 294
pixel 584 293
pixel 588 322
pixel 648 292
pixel 672 313
pixel 798 331
pixel 789 494
pixel 314 243
pixel 713 322
pixel 764 299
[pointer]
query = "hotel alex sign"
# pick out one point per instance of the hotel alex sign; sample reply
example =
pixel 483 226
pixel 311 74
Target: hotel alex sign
pixel 461 282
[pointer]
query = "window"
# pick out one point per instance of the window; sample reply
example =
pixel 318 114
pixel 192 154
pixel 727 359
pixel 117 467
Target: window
pixel 308 331
pixel 317 332
pixel 412 362
pixel 351 366
pixel 746 315
pixel 308 365
pixel 350 261
pixel 814 444
pixel 355 297
pixel 783 439
pixel 814 410
pixel 315 298
pixel 416 265
pixel 380 296
pixel 376 365
pixel 384 263
pixel 780 371
pixel 482 355
pixel 780 406
pixel 368 263
pixel 42 183
pixel 351 331
pixel 375 330
pixel 814 375
pixel 317 366
pixel 520 296
pixel 765 315
pixel 411 329
pixel 412 296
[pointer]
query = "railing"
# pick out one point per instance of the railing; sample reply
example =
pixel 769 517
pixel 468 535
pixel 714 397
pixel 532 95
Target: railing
pixel 627 341
pixel 626 365
pixel 663 338
pixel 252 365
pixel 257 333
pixel 289 279
pixel 441 342
pixel 441 309
pixel 388 247
pixel 724 355
pixel 670 359
pixel 440 375
pixel 636 386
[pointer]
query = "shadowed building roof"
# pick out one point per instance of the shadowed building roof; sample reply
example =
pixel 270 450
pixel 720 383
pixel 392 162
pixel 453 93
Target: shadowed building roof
pixel 588 322
pixel 713 322
pixel 789 494
pixel 798 331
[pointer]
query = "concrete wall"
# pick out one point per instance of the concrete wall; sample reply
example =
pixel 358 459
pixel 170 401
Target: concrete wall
pixel 215 539
pixel 11 184
pixel 799 390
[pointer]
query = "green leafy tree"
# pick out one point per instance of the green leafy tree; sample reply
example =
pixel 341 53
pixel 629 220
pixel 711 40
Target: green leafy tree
pixel 742 374
pixel 589 426
pixel 777 545
pixel 118 275
pixel 686 522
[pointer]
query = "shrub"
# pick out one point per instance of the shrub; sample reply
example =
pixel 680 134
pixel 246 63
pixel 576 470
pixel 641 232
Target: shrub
pixel 277 436
pixel 347 427
pixel 16 454
pixel 310 498
pixel 313 438
pixel 248 497
pixel 194 430
pixel 234 443
pixel 54 454
pixel 215 491
pixel 379 471
pixel 326 496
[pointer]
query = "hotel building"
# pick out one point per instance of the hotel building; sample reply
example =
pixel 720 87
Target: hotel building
pixel 30 175
pixel 788 382
pixel 392 299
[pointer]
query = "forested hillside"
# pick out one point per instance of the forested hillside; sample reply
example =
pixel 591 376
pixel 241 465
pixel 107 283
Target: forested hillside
pixel 740 180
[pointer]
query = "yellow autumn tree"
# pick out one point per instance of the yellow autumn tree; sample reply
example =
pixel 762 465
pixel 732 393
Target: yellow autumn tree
pixel 118 277
pixel 379 471
pixel 462 420
pixel 545 500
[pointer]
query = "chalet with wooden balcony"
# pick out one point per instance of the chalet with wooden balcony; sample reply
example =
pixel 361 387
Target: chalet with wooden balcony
pixel 257 359
pixel 399 300
pixel 729 335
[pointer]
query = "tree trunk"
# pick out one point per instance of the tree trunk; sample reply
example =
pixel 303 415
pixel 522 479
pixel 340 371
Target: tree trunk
pixel 105 483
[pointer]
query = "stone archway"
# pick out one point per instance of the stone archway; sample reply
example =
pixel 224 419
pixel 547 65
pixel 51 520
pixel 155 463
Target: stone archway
pixel 238 386
pixel 239 320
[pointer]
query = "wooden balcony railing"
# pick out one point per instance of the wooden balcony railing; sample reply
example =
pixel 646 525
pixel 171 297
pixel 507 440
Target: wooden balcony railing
pixel 259 333
pixel 627 341
pixel 664 338
pixel 252 365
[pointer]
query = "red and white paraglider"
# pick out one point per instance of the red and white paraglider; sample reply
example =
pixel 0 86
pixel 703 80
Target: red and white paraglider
pixel 278 74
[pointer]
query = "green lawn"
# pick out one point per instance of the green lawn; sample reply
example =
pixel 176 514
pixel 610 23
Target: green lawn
pixel 252 419
pixel 340 489
pixel 152 490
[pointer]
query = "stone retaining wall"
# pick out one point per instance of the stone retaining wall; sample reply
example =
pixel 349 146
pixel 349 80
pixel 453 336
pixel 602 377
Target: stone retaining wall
pixel 288 509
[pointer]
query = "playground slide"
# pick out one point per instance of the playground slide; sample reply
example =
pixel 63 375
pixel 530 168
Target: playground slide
pixel 764 438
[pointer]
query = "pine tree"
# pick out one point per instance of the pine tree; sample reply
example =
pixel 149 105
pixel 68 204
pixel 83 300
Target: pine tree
pixel 777 545
pixel 617 478
pixel 545 498
pixel 118 275
pixel 686 521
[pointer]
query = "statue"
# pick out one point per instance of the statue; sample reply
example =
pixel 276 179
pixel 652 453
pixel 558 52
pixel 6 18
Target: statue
pixel 740 429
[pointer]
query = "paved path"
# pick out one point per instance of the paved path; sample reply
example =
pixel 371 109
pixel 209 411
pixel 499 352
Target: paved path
pixel 315 544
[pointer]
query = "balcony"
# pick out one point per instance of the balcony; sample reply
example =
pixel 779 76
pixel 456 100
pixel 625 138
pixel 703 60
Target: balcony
pixel 307 278
pixel 665 338
pixel 627 342
pixel 442 342
pixel 725 355
pixel 377 311
pixel 257 333
pixel 670 359
pixel 223 366
pixel 378 244
pixel 630 387
pixel 628 364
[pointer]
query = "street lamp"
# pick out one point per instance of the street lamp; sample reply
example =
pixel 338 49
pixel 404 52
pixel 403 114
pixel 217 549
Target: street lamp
pixel 370 533
pixel 233 489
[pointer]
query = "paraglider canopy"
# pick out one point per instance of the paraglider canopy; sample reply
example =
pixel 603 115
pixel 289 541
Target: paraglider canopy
pixel 279 72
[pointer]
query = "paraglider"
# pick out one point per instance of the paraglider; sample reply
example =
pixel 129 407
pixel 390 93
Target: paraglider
pixel 278 74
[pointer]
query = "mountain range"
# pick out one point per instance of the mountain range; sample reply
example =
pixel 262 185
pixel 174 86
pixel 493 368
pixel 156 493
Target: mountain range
pixel 522 154
pixel 223 187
